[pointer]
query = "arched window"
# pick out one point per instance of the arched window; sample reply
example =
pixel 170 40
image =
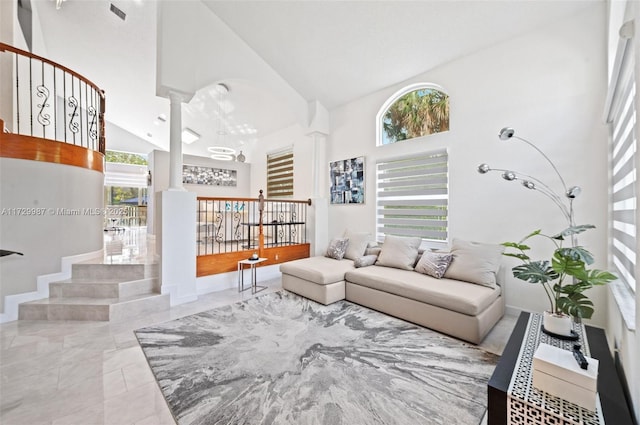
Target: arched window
pixel 415 111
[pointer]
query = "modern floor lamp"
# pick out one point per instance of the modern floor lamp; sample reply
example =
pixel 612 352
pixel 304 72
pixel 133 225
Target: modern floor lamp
pixel 533 183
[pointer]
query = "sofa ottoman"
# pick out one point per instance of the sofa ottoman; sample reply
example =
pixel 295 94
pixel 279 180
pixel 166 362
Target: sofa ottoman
pixel 318 278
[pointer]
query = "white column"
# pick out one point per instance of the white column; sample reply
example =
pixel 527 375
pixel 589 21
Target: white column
pixel 319 211
pixel 175 141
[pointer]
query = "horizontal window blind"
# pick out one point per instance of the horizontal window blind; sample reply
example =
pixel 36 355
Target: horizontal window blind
pixel 624 193
pixel 413 195
pixel 280 174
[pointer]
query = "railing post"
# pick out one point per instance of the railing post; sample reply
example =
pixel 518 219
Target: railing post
pixel 261 235
pixel 102 144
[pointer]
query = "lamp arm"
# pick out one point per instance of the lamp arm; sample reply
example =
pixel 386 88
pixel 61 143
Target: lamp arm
pixel 545 157
pixel 548 192
pixel 552 194
pixel 566 213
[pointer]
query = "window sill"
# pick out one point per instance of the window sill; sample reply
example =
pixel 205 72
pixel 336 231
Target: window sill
pixel 625 299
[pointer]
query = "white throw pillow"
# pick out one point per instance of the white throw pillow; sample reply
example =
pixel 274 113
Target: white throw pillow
pixel 434 264
pixel 475 262
pixel 358 243
pixel 399 252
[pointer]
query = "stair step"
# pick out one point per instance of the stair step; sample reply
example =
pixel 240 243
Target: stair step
pixel 114 271
pixel 94 309
pixel 107 288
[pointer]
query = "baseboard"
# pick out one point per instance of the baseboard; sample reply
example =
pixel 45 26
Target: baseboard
pixel 11 302
pixel 513 311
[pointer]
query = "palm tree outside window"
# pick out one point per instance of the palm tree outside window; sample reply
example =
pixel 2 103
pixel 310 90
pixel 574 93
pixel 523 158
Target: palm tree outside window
pixel 416 111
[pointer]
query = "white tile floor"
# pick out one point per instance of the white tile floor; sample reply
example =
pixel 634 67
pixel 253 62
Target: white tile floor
pixel 94 373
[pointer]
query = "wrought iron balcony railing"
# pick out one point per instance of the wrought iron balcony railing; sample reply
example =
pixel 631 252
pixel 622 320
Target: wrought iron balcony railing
pixel 233 224
pixel 50 101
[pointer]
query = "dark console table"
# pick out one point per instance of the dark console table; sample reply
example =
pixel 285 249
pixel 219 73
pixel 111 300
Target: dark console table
pixel 613 404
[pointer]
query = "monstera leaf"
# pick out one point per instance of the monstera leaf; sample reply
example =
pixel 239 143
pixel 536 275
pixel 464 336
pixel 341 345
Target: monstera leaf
pixel 576 304
pixel 577 253
pixel 566 265
pixel 535 272
pixel 573 230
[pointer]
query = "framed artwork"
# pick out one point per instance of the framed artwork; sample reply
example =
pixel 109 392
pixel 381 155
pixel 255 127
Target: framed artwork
pixel 347 181
pixel 195 174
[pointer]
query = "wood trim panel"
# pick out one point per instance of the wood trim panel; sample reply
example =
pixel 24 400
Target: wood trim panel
pixel 36 149
pixel 228 262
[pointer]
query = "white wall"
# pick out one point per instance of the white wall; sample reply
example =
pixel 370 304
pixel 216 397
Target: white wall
pixel 550 86
pixel 49 235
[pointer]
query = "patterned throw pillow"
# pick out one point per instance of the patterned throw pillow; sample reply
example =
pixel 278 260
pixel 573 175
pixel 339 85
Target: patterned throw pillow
pixel 365 260
pixel 337 248
pixel 433 264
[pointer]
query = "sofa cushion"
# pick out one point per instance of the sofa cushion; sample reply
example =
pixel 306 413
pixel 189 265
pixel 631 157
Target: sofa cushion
pixel 320 270
pixel 455 295
pixel 475 262
pixel 399 252
pixel 358 243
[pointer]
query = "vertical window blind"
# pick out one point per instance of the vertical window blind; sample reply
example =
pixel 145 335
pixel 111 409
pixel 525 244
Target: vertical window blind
pixel 280 174
pixel 413 195
pixel 624 192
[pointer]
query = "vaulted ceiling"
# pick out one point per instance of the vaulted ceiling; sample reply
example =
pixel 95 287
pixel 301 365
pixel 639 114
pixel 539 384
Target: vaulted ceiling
pixel 330 51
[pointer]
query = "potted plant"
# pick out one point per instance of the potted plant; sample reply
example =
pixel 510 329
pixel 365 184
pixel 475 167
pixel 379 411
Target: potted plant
pixel 564 277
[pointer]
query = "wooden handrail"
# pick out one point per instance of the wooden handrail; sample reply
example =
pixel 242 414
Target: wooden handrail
pixel 7 48
pixel 226 198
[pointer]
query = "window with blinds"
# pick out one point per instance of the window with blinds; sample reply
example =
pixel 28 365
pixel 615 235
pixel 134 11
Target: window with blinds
pixel 624 191
pixel 280 174
pixel 412 196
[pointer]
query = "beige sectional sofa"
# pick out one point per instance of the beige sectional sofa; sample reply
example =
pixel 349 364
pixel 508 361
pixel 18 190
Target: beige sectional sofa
pixel 466 310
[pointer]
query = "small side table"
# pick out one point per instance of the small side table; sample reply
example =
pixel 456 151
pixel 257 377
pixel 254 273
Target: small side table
pixel 613 404
pixel 252 268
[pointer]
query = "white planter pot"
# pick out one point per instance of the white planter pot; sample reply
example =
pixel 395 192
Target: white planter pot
pixel 559 324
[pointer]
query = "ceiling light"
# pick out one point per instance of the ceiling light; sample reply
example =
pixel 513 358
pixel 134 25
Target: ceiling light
pixel 222 157
pixel 221 150
pixel 189 136
pixel 59 3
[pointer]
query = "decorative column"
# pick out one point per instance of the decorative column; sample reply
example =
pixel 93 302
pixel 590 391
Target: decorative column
pixel 319 212
pixel 175 141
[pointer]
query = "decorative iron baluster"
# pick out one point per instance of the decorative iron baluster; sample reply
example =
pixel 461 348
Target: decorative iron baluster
pixel 237 222
pixel 218 225
pixel 294 227
pixel 43 119
pixel 93 133
pixel 74 127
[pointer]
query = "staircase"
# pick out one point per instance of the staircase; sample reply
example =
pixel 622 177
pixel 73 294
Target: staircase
pixel 100 292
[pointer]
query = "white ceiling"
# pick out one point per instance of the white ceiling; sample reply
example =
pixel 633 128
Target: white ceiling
pixel 331 51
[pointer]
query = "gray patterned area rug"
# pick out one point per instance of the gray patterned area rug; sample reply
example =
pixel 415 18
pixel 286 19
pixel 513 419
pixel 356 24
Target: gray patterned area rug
pixel 282 359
